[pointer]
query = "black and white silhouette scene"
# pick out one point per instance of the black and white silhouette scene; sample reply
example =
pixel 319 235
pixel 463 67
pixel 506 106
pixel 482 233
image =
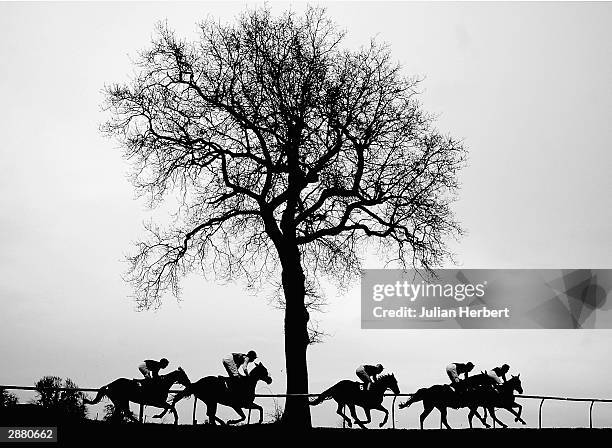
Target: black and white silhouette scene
pixel 375 222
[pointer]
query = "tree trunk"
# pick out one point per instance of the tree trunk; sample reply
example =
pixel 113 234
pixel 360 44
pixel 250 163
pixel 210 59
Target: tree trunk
pixel 297 409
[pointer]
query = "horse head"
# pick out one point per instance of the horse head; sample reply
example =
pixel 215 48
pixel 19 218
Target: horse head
pixel 388 381
pixel 515 383
pixel 179 376
pixel 259 372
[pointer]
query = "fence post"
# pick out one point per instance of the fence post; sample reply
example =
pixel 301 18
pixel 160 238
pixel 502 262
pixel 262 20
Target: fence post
pixel 540 414
pixel 591 415
pixel 195 403
pixel 393 411
pixel 141 412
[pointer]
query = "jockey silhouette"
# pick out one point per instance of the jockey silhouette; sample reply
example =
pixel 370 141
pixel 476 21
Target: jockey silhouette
pixel 367 374
pixel 498 374
pixel 457 368
pixel 150 369
pixel 234 362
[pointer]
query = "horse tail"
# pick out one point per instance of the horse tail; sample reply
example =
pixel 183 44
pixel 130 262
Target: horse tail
pixel 102 392
pixel 419 395
pixel 325 395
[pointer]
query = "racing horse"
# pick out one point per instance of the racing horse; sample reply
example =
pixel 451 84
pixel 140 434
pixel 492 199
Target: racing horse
pixel 238 395
pixel 502 398
pixel 443 396
pixel 123 390
pixel 350 393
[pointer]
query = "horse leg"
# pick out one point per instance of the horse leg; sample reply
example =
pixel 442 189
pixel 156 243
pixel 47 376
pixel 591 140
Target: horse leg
pixel 166 407
pixel 520 411
pixel 117 411
pixel 477 414
pixel 495 419
pixel 259 408
pixel 354 415
pixel 470 417
pixel 175 414
pixel 443 417
pixel 161 414
pixel 124 407
pixel 516 414
pixel 240 413
pixel 211 413
pixel 427 408
pixel 344 417
pixel 368 414
pixel 382 409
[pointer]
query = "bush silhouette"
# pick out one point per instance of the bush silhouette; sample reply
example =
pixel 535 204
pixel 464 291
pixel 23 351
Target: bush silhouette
pixel 7 399
pixel 60 397
pixel 110 414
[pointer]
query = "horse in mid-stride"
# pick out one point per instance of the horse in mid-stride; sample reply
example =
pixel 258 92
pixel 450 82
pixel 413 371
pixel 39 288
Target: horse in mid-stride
pixel 502 398
pixel 443 396
pixel 238 395
pixel 481 394
pixel 123 390
pixel 350 393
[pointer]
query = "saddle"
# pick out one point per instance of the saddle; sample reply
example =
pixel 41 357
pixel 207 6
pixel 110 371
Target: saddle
pixel 362 387
pixel 233 385
pixel 147 386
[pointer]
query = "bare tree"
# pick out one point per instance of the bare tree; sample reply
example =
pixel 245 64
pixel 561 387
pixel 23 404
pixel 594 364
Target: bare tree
pixel 286 153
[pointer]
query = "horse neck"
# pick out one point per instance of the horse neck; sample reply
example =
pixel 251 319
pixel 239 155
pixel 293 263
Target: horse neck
pixel 379 386
pixel 252 382
pixel 169 379
pixel 508 388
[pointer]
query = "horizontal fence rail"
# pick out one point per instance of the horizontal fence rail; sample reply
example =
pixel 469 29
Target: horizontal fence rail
pixel 542 399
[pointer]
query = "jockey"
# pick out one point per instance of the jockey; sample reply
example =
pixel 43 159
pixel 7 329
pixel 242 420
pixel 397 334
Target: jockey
pixel 150 368
pixel 498 374
pixel 367 374
pixel 457 368
pixel 236 361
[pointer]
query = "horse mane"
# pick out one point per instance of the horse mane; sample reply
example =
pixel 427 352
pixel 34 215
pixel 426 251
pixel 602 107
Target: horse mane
pixel 383 377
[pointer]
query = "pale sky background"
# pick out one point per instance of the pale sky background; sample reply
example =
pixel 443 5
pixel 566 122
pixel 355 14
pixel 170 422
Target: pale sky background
pixel 526 85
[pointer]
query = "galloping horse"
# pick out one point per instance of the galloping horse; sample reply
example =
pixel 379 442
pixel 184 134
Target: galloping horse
pixel 349 393
pixel 123 390
pixel 502 398
pixel 443 396
pixel 214 390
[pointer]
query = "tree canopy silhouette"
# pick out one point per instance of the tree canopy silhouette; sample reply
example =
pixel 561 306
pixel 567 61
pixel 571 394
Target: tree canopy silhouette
pixel 61 397
pixel 287 154
pixel 7 399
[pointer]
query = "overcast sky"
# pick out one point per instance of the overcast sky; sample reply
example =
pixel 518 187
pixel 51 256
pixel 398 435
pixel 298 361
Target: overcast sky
pixel 527 86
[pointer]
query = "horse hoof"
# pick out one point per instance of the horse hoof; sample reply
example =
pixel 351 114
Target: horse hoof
pixel 380 425
pixel 487 426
